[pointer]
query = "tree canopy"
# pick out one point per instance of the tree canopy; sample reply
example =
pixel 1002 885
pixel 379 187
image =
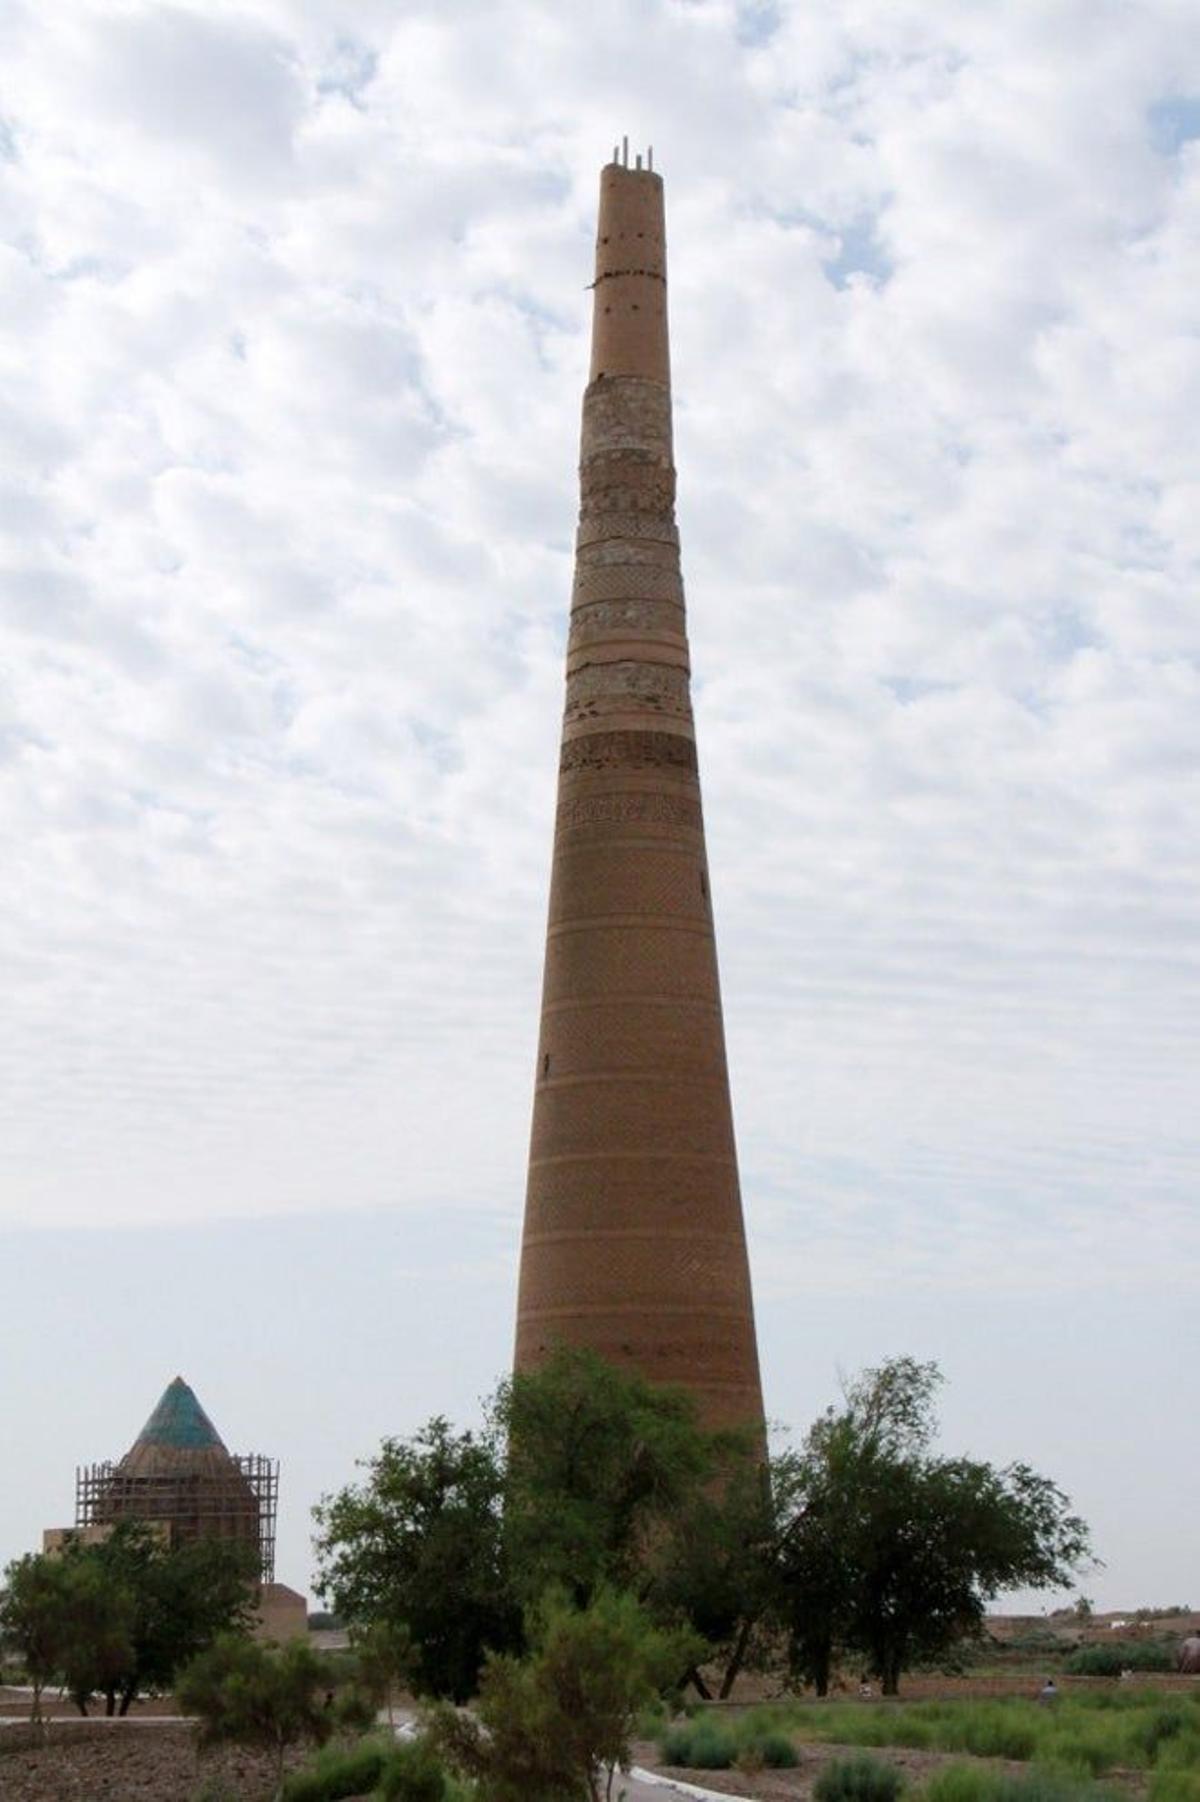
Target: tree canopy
pixel 122 1616
pixel 895 1552
pixel 587 1480
pixel 418 1546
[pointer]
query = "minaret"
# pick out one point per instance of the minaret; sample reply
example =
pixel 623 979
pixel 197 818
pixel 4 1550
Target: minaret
pixel 634 1243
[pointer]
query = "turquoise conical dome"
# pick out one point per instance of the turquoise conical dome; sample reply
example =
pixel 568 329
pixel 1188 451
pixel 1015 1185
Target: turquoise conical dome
pixel 179 1422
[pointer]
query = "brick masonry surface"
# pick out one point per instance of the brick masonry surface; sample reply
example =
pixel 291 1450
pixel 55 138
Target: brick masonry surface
pixel 634 1241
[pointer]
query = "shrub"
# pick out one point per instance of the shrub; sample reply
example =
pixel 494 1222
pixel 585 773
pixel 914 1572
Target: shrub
pixel 1167 1722
pixel 336 1772
pixel 972 1783
pixel 961 1783
pixel 1120 1655
pixel 412 1773
pixel 699 1745
pixel 1181 1752
pixel 996 1733
pixel 1174 1786
pixel 777 1751
pixel 860 1778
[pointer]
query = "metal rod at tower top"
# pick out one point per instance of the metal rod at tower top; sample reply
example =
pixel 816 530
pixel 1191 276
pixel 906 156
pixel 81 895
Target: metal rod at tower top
pixel 634 1243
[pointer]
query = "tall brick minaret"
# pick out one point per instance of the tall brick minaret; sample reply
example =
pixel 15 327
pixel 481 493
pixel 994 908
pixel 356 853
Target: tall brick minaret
pixel 634 1242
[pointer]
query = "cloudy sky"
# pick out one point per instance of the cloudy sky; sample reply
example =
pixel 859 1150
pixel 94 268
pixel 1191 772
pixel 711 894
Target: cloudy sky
pixel 292 336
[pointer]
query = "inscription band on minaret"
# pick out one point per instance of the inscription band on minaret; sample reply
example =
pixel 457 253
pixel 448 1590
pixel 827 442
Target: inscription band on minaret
pixel 634 1243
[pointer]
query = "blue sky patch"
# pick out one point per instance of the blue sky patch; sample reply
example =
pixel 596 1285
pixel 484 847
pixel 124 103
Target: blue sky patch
pixel 1174 122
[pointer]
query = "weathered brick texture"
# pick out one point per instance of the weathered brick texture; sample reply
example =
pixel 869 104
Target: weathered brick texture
pixel 634 1242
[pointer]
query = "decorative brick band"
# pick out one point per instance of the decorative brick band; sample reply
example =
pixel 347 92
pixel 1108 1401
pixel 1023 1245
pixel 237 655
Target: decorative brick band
pixel 627 481
pixel 660 621
pixel 593 526
pixel 598 688
pixel 629 751
pixel 628 810
pixel 627 551
pixel 617 581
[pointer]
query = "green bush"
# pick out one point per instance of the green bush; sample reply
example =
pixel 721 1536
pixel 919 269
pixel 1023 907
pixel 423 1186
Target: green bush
pixel 975 1783
pixel 1164 1723
pixel 1174 1786
pixel 859 1778
pixel 336 1771
pixel 961 1783
pixel 1181 1751
pixel 1120 1655
pixel 993 1733
pixel 412 1773
pixel 776 1750
pixel 699 1745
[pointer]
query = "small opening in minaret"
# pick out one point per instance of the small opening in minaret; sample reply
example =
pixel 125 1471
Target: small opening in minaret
pixel 545 1063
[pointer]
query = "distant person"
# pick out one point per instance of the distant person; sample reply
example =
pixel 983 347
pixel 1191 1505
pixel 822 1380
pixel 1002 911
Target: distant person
pixel 1049 1691
pixel 865 1691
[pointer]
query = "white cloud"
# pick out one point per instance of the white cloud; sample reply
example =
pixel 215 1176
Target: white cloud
pixel 293 339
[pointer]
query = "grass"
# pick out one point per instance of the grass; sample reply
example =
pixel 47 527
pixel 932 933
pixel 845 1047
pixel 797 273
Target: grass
pixel 394 1772
pixel 1071 1742
pixel 1087 1734
pixel 979 1783
pixel 1119 1655
pixel 859 1778
pixel 336 1771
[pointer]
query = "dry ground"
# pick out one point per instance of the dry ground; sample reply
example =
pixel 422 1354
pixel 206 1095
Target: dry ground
pixel 127 1762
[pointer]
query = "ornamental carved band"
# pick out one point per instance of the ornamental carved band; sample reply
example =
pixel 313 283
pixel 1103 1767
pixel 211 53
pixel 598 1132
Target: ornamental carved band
pixel 634 1243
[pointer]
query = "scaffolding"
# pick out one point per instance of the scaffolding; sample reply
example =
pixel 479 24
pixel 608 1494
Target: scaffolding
pixel 237 1499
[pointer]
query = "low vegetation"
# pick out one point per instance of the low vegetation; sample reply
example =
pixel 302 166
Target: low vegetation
pixel 859 1778
pixel 1117 1655
pixel 1078 1737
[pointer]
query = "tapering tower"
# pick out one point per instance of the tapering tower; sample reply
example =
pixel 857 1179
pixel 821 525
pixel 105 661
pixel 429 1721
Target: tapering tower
pixel 634 1242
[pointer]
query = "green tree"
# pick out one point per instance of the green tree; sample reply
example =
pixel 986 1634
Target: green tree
pixel 556 1725
pixel 97 1652
pixel 260 1696
pixel 602 1467
pixel 419 1548
pixel 384 1658
pixel 895 1552
pixel 35 1619
pixel 181 1598
pixel 718 1570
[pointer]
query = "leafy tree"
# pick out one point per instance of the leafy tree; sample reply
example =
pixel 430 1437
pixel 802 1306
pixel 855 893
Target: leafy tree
pixel 260 1696
pixel 181 1598
pixel 895 1552
pixel 719 1569
pixel 601 1466
pixel 121 1616
pixel 35 1619
pixel 418 1548
pixel 97 1652
pixel 556 1725
pixel 383 1658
